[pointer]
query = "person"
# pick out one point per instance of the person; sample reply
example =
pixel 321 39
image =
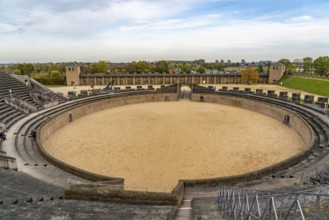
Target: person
pixel 2 136
pixel 33 134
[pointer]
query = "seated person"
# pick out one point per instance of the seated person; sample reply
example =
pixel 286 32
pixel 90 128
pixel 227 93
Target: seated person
pixel 2 136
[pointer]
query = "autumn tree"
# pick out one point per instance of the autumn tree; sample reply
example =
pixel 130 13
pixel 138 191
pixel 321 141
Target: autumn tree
pixel 321 65
pixel 250 75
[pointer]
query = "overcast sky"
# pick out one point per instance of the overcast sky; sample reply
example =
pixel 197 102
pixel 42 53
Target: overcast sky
pixel 127 30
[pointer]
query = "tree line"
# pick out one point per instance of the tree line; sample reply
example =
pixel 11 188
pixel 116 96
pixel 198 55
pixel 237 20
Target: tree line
pixel 307 65
pixel 54 73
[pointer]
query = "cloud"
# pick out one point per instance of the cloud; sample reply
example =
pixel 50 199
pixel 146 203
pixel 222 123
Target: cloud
pixel 303 18
pixel 173 24
pixel 126 29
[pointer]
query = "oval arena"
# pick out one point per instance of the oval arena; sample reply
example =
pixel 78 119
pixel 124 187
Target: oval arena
pixel 155 144
pixel 152 141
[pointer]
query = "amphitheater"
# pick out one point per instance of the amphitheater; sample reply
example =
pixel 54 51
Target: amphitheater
pixel 180 151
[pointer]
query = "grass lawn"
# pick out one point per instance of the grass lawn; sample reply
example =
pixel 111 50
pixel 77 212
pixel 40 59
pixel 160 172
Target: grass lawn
pixel 315 86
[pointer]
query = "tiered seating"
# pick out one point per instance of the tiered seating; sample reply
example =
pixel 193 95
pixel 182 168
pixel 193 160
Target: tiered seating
pixel 18 187
pixel 17 89
pixel 11 86
pixel 73 209
pixel 8 114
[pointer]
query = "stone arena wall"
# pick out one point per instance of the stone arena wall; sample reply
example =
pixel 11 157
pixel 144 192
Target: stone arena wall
pixel 94 192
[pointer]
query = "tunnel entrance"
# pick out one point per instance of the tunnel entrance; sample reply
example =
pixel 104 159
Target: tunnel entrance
pixel 185 92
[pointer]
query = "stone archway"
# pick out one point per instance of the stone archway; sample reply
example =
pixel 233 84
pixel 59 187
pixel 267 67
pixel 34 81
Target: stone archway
pixel 184 91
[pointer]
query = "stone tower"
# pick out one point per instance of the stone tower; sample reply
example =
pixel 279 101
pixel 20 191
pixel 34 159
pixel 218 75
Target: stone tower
pixel 276 72
pixel 72 74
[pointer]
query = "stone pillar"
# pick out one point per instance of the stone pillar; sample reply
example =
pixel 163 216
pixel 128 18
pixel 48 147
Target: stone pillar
pixel 295 98
pixel 283 95
pixel 322 101
pixel 271 93
pixel 247 90
pixel 259 92
pixel 308 99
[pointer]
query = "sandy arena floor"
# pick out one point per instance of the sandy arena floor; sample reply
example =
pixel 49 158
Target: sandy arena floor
pixel 154 145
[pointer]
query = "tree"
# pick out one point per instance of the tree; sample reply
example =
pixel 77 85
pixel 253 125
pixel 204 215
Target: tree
pixel 250 75
pixel 186 68
pixel 200 61
pixel 162 66
pixel 28 68
pixel 308 65
pixel 287 64
pixel 99 67
pixel 260 68
pixel 17 71
pixel 321 65
pixel 138 67
pixel 55 74
pixel 201 69
pixel 142 67
pixel 297 64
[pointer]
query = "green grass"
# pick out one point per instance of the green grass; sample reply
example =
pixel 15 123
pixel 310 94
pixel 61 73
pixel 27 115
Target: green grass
pixel 314 86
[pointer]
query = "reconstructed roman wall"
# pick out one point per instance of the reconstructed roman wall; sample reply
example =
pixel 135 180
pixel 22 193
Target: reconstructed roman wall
pixel 164 79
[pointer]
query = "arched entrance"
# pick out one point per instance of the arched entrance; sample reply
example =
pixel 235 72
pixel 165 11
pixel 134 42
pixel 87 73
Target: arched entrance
pixel 184 91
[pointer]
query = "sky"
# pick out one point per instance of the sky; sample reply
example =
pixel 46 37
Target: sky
pixel 132 30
